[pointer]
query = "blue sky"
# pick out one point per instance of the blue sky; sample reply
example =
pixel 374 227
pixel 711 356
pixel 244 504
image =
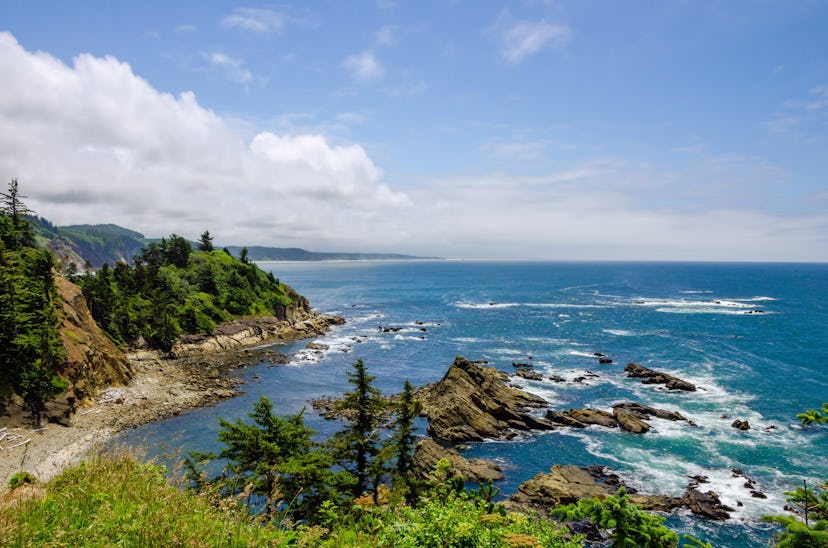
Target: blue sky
pixel 552 130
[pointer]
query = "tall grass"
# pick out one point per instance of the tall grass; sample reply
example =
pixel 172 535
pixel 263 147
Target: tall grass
pixel 115 500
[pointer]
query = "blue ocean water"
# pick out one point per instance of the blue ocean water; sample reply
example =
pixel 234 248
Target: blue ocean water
pixel 752 337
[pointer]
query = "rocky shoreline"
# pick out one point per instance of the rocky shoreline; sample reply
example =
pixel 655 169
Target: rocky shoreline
pixel 159 387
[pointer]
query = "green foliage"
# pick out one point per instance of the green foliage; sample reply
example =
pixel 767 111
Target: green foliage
pixel 799 535
pixel 31 350
pixel 205 242
pixel 631 527
pixel 273 459
pixel 813 416
pixel 811 506
pixel 446 515
pixel 172 289
pixel 20 478
pixel 114 500
pixel 357 446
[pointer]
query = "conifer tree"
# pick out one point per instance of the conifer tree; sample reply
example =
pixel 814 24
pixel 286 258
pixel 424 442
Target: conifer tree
pixel 357 445
pixel 205 242
pixel 402 441
pixel 277 458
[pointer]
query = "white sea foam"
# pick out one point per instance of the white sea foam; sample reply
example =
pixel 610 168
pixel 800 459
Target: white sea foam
pixel 584 354
pixel 620 332
pixel 467 340
pixel 491 304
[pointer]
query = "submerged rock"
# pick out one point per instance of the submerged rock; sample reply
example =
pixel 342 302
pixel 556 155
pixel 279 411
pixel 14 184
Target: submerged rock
pixel 651 376
pixel 473 403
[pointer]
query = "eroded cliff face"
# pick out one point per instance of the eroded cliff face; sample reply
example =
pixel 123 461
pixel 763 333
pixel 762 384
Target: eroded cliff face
pixel 93 360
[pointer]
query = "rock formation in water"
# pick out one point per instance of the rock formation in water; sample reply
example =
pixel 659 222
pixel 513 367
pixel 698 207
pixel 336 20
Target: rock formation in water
pixel 651 376
pixel 473 403
pixel 567 484
pixel 428 453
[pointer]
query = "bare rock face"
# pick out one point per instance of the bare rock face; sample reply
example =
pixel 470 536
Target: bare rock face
pixel 473 403
pixel 562 485
pixel 630 422
pixel 93 360
pixel 581 418
pixel 428 453
pixel 651 376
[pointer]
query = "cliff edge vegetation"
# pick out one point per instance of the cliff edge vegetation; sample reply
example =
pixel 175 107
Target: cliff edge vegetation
pixel 173 289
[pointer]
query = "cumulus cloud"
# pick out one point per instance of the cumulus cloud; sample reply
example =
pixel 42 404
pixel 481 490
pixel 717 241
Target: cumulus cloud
pixel 94 143
pixel 364 67
pixel 519 39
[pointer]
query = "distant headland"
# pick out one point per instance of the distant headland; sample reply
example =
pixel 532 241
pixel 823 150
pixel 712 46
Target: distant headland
pixel 110 243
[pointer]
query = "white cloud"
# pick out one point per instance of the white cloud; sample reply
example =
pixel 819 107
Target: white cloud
pixel 256 20
pixel 231 66
pixel 364 67
pixel 94 143
pixel 520 39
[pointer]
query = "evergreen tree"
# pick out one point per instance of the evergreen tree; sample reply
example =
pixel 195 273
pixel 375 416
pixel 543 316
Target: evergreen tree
pixel 205 242
pixel 357 445
pixel 31 350
pixel 20 233
pixel 402 441
pixel 276 457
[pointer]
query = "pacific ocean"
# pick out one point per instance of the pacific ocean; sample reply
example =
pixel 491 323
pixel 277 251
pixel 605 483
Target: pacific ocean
pixel 752 337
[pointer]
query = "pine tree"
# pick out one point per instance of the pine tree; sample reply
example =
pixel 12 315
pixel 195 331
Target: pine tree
pixel 357 445
pixel 205 242
pixel 401 443
pixel 276 457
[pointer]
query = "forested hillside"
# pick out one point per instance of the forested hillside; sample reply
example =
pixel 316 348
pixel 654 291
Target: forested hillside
pixel 172 289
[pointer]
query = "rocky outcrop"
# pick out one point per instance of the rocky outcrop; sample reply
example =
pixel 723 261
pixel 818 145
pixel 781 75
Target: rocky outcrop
pixel 529 374
pixel 428 453
pixel 629 416
pixel 581 418
pixel 568 484
pixel 740 424
pixel 564 484
pixel 93 361
pixel 630 423
pixel 254 331
pixel 651 376
pixel 473 403
pixel 641 411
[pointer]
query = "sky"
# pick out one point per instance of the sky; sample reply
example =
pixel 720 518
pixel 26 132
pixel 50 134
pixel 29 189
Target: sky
pixel 555 130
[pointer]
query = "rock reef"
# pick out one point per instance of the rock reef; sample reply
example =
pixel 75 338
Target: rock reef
pixel 651 376
pixel 474 403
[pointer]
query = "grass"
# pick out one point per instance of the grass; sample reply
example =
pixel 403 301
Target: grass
pixel 115 500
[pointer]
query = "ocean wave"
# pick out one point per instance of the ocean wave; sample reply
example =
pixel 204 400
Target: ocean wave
pixel 620 332
pixel 708 310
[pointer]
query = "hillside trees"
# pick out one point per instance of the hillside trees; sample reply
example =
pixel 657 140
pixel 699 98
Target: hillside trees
pixel 173 289
pixel 275 460
pixel 31 351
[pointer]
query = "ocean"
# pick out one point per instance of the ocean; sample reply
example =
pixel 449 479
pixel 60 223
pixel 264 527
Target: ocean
pixel 752 337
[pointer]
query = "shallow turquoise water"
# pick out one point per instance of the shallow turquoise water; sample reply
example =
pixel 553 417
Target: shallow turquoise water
pixel 700 322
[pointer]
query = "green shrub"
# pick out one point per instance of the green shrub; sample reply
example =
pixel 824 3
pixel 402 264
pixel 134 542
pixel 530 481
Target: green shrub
pixel 19 479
